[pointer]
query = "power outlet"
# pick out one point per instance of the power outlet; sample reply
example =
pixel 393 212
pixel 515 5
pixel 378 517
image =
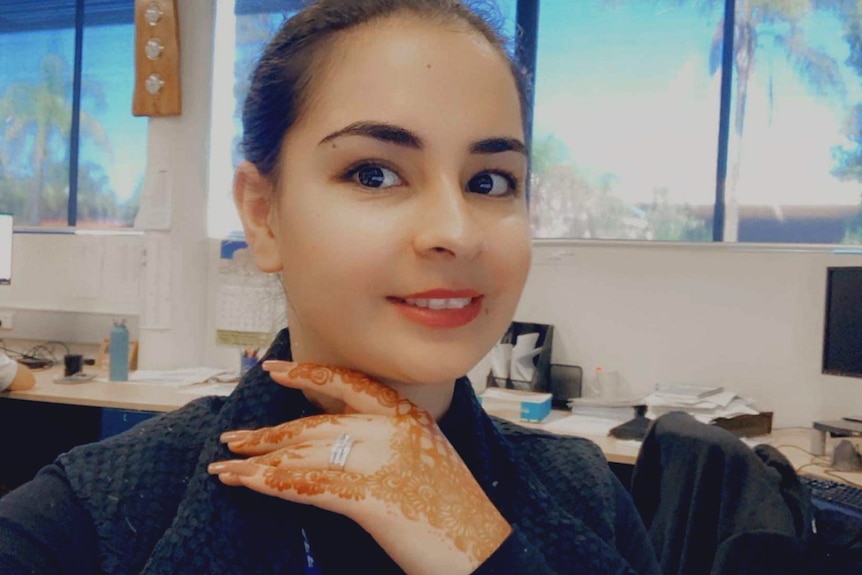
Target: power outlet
pixel 6 317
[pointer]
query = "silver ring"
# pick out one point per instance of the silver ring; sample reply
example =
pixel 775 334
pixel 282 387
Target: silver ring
pixel 340 451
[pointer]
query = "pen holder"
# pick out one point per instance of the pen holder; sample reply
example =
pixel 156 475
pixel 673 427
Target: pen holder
pixel 541 381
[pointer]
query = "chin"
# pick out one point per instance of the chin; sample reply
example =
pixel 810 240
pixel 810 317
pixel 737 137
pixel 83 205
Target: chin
pixel 426 364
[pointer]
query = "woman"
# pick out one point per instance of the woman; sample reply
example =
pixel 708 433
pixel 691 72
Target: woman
pixel 384 183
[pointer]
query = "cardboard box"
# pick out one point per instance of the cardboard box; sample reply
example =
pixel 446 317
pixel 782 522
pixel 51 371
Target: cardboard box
pixel 530 406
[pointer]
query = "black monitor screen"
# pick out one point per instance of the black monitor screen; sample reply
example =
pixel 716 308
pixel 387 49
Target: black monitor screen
pixel 842 341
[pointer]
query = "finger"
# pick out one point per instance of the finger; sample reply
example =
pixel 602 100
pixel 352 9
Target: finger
pixel 313 428
pixel 322 488
pixel 321 456
pixel 229 479
pixel 357 390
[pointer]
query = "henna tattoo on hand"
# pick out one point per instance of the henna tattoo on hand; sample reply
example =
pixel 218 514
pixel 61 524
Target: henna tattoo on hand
pixel 285 431
pixel 358 382
pixel 424 478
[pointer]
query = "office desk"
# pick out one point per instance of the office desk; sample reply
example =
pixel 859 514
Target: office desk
pixel 108 394
pixel 794 443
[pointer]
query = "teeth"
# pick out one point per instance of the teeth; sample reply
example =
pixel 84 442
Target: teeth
pixel 454 303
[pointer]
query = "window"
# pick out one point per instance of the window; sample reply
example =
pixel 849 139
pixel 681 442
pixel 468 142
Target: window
pixel 628 109
pixel 625 122
pixel 795 99
pixel 71 153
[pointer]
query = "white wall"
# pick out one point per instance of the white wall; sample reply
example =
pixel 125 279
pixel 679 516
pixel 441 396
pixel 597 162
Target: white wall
pixel 74 273
pixel 745 318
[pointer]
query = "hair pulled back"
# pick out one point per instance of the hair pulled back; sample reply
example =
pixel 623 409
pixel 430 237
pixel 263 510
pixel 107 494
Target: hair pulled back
pixel 282 77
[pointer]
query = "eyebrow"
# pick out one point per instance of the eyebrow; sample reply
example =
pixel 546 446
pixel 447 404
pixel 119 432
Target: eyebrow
pixel 390 134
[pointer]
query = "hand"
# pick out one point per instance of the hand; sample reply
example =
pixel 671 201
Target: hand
pixel 403 482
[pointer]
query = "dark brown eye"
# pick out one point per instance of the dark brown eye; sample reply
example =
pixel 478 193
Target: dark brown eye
pixel 374 176
pixel 490 184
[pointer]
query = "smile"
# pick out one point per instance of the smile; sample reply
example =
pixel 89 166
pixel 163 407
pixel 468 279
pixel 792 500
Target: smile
pixel 454 303
pixel 440 308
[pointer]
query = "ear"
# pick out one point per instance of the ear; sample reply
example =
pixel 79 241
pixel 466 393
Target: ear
pixel 253 195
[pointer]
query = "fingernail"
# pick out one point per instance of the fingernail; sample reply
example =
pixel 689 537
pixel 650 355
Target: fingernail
pixel 276 365
pixel 231 436
pixel 232 466
pixel 219 467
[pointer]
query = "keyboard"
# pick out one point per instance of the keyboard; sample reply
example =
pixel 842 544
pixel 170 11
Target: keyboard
pixel 826 493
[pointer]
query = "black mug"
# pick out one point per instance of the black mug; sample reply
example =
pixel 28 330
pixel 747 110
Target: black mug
pixel 74 363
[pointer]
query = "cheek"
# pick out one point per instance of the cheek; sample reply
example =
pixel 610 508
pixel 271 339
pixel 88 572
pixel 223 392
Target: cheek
pixel 329 249
pixel 509 263
pixel 512 255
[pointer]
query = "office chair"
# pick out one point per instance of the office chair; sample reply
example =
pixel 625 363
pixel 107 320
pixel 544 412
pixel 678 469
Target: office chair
pixel 712 505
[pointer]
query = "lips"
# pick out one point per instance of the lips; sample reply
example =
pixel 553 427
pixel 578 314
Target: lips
pixel 440 308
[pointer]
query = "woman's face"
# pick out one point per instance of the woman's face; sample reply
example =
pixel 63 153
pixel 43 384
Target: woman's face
pixel 401 221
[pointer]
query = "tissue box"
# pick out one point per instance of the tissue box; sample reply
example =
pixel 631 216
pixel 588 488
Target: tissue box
pixel 529 406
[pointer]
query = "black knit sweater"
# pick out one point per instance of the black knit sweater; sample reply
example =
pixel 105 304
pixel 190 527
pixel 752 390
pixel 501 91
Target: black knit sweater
pixel 143 502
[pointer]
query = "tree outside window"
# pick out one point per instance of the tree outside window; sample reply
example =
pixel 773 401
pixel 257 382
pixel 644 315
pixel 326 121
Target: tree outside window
pixel 54 172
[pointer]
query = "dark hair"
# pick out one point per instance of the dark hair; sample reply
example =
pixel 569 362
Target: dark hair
pixel 282 77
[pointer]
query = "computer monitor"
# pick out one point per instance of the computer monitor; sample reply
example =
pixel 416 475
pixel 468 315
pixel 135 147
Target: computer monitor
pixel 842 338
pixel 5 248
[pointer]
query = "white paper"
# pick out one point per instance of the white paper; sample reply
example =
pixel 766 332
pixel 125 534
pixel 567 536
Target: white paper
pixel 724 404
pixel 522 367
pixel 173 378
pixel 582 425
pixel 722 399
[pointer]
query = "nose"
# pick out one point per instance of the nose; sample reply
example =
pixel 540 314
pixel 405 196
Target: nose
pixel 447 224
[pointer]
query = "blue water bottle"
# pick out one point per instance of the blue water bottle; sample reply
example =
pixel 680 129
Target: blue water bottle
pixel 119 351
